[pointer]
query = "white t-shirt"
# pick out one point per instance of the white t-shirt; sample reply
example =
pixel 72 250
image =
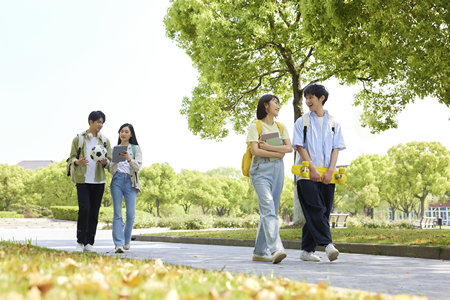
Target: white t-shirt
pixel 124 166
pixel 92 165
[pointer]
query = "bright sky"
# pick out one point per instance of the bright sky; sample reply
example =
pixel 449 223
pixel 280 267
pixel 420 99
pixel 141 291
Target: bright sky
pixel 61 60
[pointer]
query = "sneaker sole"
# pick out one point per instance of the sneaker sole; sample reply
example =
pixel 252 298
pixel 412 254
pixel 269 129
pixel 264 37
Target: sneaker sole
pixel 313 260
pixel 119 251
pixel 332 256
pixel 278 258
pixel 261 259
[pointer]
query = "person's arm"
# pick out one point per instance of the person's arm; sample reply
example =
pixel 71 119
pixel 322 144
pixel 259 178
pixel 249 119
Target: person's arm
pixel 314 175
pixel 81 161
pixel 285 148
pixel 326 178
pixel 256 151
pixel 136 163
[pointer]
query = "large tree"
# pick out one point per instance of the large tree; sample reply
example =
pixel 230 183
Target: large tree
pixel 421 169
pixel 363 177
pixel 401 50
pixel 243 49
pixel 54 187
pixel 12 180
pixel 158 185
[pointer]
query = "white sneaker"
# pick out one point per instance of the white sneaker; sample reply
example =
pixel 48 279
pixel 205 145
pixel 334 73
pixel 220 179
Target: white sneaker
pixel 309 256
pixel 278 256
pixel 126 246
pixel 332 252
pixel 79 247
pixel 88 248
pixel 257 257
pixel 119 249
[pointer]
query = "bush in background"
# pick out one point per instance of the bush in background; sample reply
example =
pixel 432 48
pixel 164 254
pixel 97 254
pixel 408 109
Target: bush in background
pixel 363 222
pixel 10 214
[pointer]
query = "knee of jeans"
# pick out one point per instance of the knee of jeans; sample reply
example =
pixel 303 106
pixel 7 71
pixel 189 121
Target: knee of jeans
pixel 130 217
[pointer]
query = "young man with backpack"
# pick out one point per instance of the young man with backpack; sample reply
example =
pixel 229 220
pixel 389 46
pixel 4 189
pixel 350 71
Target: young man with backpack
pixel 90 179
pixel 318 140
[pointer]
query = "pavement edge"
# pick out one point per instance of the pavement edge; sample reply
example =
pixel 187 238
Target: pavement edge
pixel 429 252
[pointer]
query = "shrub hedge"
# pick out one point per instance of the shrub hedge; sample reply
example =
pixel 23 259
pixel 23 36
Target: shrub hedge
pixel 10 214
pixel 145 220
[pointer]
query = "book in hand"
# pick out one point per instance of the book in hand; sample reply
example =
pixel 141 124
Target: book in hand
pixel 272 139
pixel 116 153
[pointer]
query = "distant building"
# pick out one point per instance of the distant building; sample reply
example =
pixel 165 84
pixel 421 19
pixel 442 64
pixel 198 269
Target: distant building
pixel 439 210
pixel 34 164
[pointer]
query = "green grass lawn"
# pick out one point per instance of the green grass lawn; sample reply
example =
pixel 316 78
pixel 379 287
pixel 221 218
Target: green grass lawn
pixel 428 237
pixel 29 272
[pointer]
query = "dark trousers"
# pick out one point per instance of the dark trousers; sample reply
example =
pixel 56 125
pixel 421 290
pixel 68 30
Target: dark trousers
pixel 316 200
pixel 89 200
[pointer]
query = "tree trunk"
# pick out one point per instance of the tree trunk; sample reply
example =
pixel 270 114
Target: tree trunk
pixel 299 218
pixel 157 208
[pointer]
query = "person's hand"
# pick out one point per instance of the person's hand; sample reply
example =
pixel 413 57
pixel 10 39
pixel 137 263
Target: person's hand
pixel 82 161
pixel 314 175
pixel 327 176
pixel 103 161
pixel 126 156
pixel 280 155
pixel 263 145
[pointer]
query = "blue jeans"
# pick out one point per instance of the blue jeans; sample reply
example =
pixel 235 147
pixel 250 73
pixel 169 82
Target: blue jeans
pixel 267 179
pixel 121 188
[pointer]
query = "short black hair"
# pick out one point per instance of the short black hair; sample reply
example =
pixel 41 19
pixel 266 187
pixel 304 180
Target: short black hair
pixel 95 115
pixel 261 112
pixel 133 139
pixel 316 89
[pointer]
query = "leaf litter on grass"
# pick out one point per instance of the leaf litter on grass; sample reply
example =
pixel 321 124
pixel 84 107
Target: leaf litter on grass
pixel 30 272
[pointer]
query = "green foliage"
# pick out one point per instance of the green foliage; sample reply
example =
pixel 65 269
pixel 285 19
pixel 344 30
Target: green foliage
pixel 378 235
pixel 12 185
pixel 249 221
pixel 242 49
pixel 194 222
pixel 421 169
pixel 65 212
pixel 53 186
pixel 399 49
pixel 158 185
pixel 142 218
pixel 10 214
pixel 403 179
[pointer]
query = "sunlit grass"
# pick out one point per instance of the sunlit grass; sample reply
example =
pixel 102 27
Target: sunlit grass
pixel 428 237
pixel 30 272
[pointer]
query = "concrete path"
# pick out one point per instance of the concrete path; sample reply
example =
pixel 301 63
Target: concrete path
pixel 386 274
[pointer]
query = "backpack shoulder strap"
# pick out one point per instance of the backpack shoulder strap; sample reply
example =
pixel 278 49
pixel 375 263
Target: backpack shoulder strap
pixel 280 126
pixel 332 122
pixel 80 144
pixel 103 138
pixel 258 127
pixel 133 148
pixel 306 122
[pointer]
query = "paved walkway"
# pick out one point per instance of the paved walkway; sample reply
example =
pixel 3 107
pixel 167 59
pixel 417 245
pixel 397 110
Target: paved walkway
pixel 386 274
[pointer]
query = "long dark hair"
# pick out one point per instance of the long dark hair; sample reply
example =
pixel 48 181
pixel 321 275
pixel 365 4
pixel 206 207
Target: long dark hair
pixel 133 139
pixel 261 112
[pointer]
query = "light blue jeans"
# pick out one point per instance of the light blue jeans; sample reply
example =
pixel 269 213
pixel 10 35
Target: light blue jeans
pixel 121 188
pixel 267 179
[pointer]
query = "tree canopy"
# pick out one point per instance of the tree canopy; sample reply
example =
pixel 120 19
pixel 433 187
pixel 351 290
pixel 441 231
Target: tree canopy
pixel 401 49
pixel 243 49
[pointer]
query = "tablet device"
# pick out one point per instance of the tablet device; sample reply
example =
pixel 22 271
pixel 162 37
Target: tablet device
pixel 116 153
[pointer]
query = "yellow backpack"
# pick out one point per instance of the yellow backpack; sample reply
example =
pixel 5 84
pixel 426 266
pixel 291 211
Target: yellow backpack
pixel 247 158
